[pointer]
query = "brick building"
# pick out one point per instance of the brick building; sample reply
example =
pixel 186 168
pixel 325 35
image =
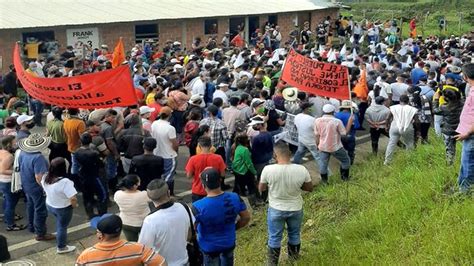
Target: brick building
pixel 103 22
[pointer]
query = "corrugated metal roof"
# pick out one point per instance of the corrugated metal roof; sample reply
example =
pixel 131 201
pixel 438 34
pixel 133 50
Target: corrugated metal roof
pixel 45 13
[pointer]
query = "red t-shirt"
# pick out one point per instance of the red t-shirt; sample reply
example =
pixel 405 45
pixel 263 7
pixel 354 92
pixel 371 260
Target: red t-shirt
pixel 197 164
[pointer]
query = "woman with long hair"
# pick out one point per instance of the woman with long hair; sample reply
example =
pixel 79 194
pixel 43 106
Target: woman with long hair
pixel 60 200
pixel 133 206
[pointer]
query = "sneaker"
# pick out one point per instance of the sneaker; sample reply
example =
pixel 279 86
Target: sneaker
pixel 66 249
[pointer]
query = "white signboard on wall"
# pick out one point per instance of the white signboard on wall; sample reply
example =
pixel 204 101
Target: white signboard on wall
pixel 78 37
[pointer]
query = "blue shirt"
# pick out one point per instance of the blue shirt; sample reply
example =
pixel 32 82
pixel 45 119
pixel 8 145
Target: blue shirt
pixel 215 218
pixel 427 91
pixel 417 74
pixel 262 148
pixel 344 117
pixel 31 164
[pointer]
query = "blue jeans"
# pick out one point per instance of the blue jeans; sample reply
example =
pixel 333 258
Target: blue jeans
pixel 9 203
pixel 37 109
pixel 74 165
pixel 466 174
pixel 36 209
pixel 276 221
pixel 228 151
pixel 340 154
pixel 169 166
pixel 63 217
pixel 225 258
pixel 111 167
pixel 302 149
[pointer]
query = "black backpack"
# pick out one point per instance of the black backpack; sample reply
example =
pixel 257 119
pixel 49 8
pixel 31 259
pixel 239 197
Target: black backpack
pixel 4 254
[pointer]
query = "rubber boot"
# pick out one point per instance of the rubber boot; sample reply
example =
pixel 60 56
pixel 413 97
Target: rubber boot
pixel 293 251
pixel 324 178
pixel 345 174
pixel 171 187
pixel 273 256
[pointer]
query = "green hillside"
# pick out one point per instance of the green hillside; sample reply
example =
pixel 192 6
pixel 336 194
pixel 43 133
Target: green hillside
pixel 459 14
pixel 405 214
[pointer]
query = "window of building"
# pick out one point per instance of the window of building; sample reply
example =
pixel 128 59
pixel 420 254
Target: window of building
pixel 146 31
pixel 273 19
pixel 210 26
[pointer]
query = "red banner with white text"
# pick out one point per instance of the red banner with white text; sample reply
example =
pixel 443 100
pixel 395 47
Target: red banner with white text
pixel 319 78
pixel 104 89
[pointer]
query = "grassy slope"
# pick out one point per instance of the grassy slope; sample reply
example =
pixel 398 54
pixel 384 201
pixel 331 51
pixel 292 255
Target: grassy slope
pixel 409 9
pixel 406 213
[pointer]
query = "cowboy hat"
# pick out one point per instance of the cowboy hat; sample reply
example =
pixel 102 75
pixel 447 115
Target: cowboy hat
pixel 290 94
pixel 455 69
pixel 34 143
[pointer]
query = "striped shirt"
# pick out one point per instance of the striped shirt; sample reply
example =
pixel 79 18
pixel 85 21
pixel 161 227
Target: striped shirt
pixel 120 253
pixel 329 130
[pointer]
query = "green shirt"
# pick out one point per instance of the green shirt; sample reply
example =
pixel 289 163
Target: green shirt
pixel 3 114
pixel 242 161
pixel 56 131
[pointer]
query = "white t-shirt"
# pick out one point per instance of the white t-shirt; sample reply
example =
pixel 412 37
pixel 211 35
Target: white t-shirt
pixel 398 89
pixel 166 230
pixel 163 132
pixel 305 125
pixel 58 194
pixel 222 95
pixel 133 207
pixel 372 96
pixel 284 185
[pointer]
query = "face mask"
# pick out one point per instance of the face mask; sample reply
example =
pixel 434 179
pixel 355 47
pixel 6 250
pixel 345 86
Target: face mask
pixel 30 126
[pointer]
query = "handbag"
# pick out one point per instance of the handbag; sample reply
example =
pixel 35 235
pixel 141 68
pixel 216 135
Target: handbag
pixel 194 253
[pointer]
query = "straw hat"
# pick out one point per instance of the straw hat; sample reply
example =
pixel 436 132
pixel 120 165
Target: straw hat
pixel 290 94
pixel 34 143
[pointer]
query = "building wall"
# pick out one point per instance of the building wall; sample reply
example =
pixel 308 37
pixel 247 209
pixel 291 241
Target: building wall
pixel 183 31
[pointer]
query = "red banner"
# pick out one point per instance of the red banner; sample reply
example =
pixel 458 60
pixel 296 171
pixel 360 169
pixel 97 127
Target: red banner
pixel 319 78
pixel 104 89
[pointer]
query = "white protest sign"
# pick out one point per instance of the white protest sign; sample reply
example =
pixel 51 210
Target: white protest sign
pixel 77 37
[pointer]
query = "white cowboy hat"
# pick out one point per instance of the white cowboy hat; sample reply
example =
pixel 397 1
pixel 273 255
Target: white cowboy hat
pixel 290 94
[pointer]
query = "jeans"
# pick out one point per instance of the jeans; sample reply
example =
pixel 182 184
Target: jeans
pixel 63 218
pixel 424 129
pixel 74 165
pixel 37 109
pixel 349 144
pixel 276 221
pixel 312 148
pixel 450 143
pixel 228 151
pixel 9 203
pixel 340 154
pixel 466 173
pixel 225 258
pixel 36 209
pixel 437 124
pixel 95 187
pixel 407 137
pixel 111 167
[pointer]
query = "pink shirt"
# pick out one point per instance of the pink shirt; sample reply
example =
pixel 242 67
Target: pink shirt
pixel 466 120
pixel 329 131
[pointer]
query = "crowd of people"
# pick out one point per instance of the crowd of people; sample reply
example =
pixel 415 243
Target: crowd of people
pixel 227 104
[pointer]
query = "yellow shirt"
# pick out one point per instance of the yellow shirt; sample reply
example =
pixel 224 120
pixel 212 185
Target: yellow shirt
pixel 150 98
pixel 32 50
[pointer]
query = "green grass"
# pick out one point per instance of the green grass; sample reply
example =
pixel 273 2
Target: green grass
pixel 427 22
pixel 406 213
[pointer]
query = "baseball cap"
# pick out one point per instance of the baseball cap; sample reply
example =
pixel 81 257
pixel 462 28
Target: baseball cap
pixel 328 108
pixel 145 110
pixel 256 121
pixel 211 178
pixel 23 118
pixel 107 224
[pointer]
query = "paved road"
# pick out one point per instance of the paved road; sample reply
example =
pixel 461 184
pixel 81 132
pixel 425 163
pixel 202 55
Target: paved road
pixel 22 244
